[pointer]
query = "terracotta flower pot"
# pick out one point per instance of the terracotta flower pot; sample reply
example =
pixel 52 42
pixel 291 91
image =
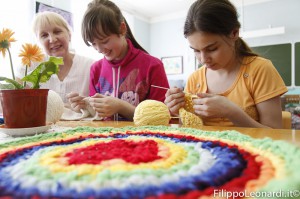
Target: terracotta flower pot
pixel 24 108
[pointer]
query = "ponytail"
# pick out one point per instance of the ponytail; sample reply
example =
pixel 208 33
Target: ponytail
pixel 130 36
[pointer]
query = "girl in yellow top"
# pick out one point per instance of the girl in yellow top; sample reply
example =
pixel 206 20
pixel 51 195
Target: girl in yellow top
pixel 235 87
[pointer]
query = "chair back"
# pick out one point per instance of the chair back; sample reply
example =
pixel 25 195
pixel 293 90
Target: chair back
pixel 286 120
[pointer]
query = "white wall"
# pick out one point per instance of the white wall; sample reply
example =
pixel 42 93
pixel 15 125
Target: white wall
pixel 142 33
pixel 18 23
pixel 78 8
pixel 166 39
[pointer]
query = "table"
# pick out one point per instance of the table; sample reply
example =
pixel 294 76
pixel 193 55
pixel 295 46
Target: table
pixel 290 135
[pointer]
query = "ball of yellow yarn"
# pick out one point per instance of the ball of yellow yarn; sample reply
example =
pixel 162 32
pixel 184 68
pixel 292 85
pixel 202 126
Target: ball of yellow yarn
pixel 151 112
pixel 55 107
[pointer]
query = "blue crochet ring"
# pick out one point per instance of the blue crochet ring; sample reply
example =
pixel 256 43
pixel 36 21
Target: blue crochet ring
pixel 1 121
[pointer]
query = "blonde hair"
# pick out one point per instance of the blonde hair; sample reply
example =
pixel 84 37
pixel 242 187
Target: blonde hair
pixel 46 18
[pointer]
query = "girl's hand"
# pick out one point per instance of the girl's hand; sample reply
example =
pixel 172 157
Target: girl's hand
pixel 105 106
pixel 174 100
pixel 76 101
pixel 211 105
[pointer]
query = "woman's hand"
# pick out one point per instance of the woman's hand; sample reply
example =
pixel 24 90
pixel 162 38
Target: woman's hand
pixel 174 100
pixel 211 105
pixel 105 106
pixel 76 101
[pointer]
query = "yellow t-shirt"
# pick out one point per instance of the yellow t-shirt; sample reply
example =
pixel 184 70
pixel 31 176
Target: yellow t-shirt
pixel 257 81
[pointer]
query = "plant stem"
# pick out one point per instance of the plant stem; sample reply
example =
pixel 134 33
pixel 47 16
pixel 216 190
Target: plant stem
pixel 11 65
pixel 26 67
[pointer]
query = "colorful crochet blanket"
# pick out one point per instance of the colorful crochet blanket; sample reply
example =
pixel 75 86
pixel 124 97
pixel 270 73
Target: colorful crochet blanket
pixel 148 162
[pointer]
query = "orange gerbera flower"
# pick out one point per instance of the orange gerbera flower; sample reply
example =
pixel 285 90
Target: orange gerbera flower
pixel 31 53
pixel 5 40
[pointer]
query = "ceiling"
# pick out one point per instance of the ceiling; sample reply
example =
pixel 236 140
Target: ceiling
pixel 153 9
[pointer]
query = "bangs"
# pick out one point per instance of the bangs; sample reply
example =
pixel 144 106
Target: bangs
pixel 40 23
pixel 98 24
pixel 46 18
pixel 92 29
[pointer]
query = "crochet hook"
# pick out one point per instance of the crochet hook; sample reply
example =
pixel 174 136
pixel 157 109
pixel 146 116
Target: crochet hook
pixel 162 87
pixel 159 87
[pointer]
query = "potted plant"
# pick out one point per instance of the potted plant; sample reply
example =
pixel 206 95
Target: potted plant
pixel 24 105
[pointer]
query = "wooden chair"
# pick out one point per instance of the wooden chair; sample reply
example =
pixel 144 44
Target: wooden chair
pixel 286 120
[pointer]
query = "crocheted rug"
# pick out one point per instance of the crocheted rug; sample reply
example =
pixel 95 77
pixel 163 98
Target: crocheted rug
pixel 147 162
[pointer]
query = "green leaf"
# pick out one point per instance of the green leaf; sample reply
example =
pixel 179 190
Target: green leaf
pixel 56 60
pixel 7 86
pixel 12 84
pixel 50 69
pixel 44 71
pixel 33 76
